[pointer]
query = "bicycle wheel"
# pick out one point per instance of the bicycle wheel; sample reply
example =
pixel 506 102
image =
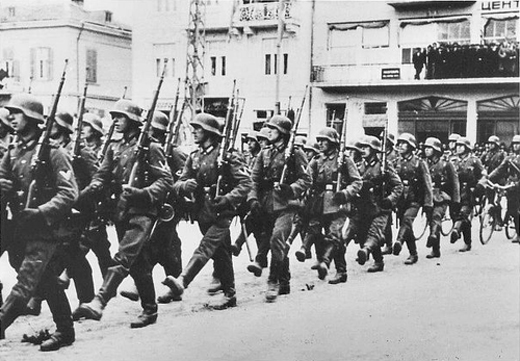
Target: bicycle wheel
pixel 509 226
pixel 487 225
pixel 480 206
pixel 420 226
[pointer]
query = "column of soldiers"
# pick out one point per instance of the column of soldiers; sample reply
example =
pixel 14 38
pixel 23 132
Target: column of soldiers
pixel 329 195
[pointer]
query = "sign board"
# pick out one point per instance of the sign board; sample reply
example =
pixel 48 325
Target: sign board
pixel 391 73
pixel 499 5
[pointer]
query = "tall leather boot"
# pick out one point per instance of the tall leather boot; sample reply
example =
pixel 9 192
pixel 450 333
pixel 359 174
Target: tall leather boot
pixel 466 232
pixel 378 265
pixel 236 247
pixel 94 309
pixel 301 254
pixel 328 253
pixel 455 233
pixel 273 285
pixel 412 247
pixel 285 278
pixel 177 285
pixel 11 309
pixel 436 248
pixel 341 265
pixel 61 314
pixel 146 290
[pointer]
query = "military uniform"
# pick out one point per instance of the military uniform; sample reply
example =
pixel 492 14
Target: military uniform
pixel 325 212
pixel 38 236
pixel 136 212
pixel 202 167
pixel 445 183
pixel 391 158
pixel 470 171
pixel 506 170
pixel 373 207
pixel 417 192
pixel 279 207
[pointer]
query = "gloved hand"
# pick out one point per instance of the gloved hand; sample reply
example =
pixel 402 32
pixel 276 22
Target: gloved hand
pixel 135 196
pixel 254 207
pixel 339 198
pixel 32 216
pixel 190 185
pixel 88 191
pixel 284 190
pixel 6 185
pixel 386 204
pixel 429 212
pixel 221 204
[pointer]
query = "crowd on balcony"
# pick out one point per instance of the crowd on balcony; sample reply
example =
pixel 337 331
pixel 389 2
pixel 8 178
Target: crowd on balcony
pixel 443 61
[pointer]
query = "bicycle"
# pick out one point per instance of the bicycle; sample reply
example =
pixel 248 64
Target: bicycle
pixel 493 214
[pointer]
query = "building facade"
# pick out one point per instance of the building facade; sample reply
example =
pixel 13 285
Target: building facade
pixel 425 67
pixel 35 40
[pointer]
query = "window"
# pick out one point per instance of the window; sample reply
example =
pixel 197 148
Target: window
pixel 108 16
pixel 375 108
pixel 223 64
pixel 41 64
pixel 499 30
pixel 170 67
pixel 12 11
pixel 335 116
pixel 213 65
pixel 453 32
pixel 91 72
pixel 271 64
pixel 376 37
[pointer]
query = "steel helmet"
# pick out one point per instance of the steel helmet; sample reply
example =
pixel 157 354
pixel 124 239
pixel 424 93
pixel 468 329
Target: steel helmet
pixel 351 144
pixel 371 141
pixel 408 138
pixel 494 139
pixel 128 109
pixel 252 135
pixel 516 139
pixel 300 140
pixel 280 122
pixel 390 138
pixel 263 134
pixel 312 148
pixel 434 143
pixel 207 122
pixel 465 142
pixel 159 121
pixel 4 118
pixel 94 121
pixel 65 120
pixel 454 137
pixel 28 104
pixel 328 133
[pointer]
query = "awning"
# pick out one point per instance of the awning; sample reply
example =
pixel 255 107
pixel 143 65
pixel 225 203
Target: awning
pixel 414 4
pixel 366 25
pixel 415 22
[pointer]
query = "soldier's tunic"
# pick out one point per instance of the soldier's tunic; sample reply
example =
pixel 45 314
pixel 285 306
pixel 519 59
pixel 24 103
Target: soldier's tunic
pixel 391 158
pixel 369 222
pixel 506 170
pixel 324 213
pixel 492 159
pixel 35 260
pixel 279 210
pixel 446 190
pixel 417 192
pixel 470 171
pixel 134 221
pixel 201 166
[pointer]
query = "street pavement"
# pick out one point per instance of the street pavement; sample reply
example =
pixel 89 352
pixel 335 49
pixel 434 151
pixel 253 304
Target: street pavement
pixel 459 307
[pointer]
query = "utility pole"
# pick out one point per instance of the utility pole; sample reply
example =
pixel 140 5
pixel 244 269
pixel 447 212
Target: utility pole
pixel 281 28
pixel 194 84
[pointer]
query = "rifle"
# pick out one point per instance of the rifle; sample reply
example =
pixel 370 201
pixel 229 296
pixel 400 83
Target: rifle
pixel 171 123
pixel 42 148
pixel 341 150
pixel 124 92
pixel 383 158
pixel 246 234
pixel 225 138
pixel 142 142
pixel 106 143
pixel 290 145
pixel 77 141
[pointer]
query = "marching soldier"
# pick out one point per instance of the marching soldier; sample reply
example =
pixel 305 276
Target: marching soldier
pixel 391 158
pixel 452 145
pixel 137 211
pixel 311 150
pixel 491 159
pixel 327 203
pixel 417 192
pixel 379 194
pixel 445 183
pixel 509 170
pixel 92 132
pixel 214 212
pixel 471 172
pixel 36 228
pixel 278 201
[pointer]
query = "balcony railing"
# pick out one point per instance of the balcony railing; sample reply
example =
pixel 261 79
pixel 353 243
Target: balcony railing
pixel 263 14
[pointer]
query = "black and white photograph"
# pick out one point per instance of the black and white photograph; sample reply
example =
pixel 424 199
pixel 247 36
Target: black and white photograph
pixel 260 180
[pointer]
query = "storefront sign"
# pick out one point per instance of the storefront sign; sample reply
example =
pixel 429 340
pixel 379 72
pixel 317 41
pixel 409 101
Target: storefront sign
pixel 390 73
pixel 499 5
